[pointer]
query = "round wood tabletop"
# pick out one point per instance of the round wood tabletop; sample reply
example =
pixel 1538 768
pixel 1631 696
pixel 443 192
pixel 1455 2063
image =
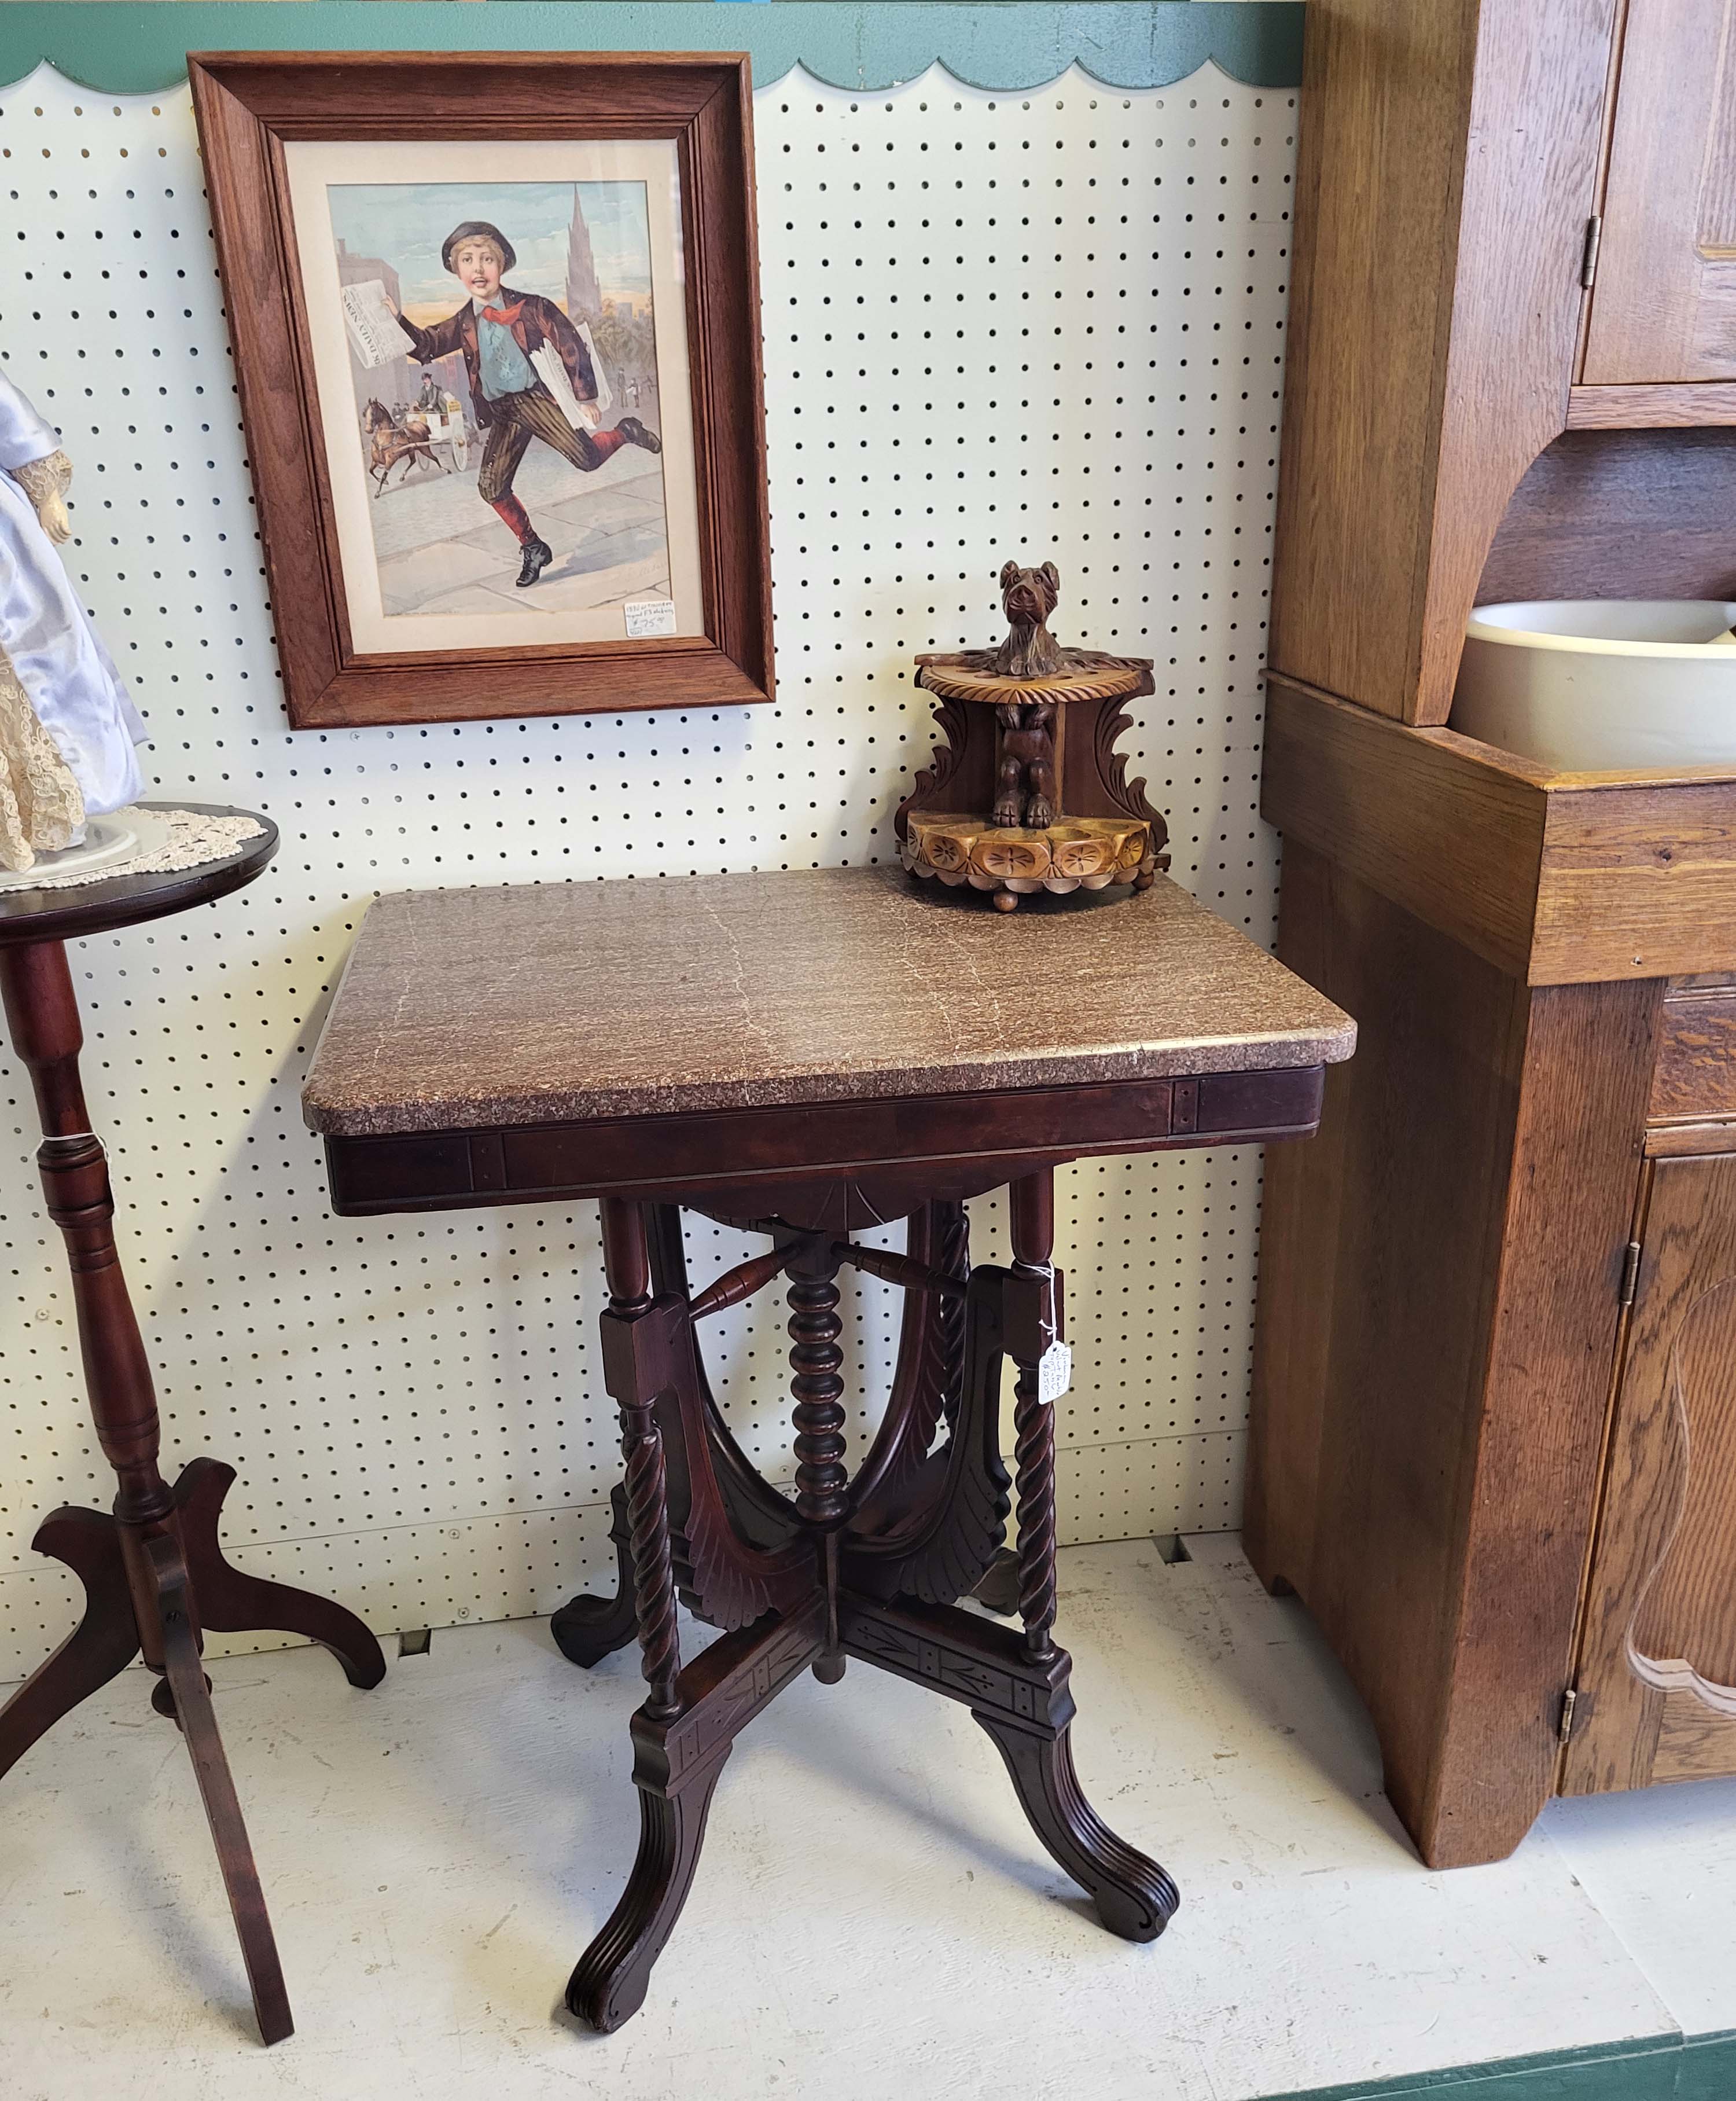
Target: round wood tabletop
pixel 66 914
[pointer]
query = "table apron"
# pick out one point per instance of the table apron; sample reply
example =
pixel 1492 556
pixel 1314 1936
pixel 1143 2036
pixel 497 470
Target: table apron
pixel 968 1142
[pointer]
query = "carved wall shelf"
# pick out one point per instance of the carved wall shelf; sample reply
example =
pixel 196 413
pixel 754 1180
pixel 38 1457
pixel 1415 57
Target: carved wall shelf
pixel 1028 792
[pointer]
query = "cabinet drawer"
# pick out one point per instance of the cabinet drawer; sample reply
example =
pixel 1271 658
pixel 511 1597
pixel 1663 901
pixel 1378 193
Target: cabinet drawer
pixel 1695 1074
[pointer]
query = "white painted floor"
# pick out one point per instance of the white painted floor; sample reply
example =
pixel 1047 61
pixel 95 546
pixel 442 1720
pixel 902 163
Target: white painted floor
pixel 872 1916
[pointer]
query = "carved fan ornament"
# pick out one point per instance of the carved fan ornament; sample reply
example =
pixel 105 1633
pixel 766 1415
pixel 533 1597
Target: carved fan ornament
pixel 1028 793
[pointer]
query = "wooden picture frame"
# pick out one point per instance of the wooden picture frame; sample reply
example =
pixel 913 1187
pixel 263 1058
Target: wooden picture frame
pixel 254 110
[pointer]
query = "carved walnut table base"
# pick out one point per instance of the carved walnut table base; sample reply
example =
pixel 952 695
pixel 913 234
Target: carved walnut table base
pixel 869 1566
pixel 805 1055
pixel 154 1575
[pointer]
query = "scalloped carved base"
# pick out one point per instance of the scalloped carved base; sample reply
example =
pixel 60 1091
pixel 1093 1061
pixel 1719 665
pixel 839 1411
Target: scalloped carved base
pixel 1026 792
pixel 1078 853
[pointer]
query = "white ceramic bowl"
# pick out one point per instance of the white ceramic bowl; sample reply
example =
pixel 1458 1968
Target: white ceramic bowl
pixel 1592 684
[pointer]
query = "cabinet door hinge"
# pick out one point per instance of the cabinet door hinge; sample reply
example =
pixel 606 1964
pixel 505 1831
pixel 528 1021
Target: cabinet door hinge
pixel 1589 254
pixel 1569 1700
pixel 1630 1274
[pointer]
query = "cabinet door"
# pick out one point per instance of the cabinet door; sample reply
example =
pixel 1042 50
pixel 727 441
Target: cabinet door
pixel 1664 304
pixel 1656 1682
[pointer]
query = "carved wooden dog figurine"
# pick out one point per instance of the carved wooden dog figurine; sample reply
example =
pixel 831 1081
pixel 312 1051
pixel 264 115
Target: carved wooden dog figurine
pixel 1025 775
pixel 1027 598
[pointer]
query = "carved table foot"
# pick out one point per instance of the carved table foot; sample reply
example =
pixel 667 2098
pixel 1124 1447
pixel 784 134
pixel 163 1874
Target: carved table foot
pixel 676 1765
pixel 1026 1707
pixel 1134 1897
pixel 610 1982
pixel 588 1628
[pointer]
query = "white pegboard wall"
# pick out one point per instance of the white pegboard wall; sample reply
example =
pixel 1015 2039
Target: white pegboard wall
pixel 1038 325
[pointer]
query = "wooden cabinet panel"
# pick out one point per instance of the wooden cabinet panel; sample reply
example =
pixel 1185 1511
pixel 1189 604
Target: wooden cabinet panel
pixel 1439 1287
pixel 1657 1679
pixel 1664 306
pixel 1447 168
pixel 1696 1074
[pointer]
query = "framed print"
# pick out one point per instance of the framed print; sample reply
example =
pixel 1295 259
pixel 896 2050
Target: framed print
pixel 495 326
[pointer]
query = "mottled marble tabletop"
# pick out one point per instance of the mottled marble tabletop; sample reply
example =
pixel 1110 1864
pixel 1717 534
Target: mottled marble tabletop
pixel 569 1002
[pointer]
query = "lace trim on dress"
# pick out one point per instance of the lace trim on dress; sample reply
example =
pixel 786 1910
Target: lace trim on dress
pixel 194 838
pixel 42 805
pixel 40 479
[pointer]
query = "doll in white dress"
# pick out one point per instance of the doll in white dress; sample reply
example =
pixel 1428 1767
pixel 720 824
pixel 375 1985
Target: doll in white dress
pixel 68 726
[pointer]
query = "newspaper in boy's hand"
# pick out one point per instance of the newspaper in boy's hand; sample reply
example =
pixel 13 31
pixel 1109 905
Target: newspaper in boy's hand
pixel 373 324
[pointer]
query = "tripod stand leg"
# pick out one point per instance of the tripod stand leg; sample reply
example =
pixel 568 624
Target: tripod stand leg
pixel 99 1648
pixel 230 1602
pixel 223 1809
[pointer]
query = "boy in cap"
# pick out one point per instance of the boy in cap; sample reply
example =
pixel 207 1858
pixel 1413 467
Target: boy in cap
pixel 499 331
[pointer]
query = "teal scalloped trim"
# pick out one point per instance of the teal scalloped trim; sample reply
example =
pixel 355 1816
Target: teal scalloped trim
pixel 873 44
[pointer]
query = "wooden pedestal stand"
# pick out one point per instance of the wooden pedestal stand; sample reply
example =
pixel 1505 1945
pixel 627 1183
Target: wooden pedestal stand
pixel 1028 792
pixel 153 1573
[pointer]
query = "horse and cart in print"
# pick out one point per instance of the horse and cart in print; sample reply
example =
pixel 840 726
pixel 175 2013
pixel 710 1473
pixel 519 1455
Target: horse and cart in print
pixel 408 437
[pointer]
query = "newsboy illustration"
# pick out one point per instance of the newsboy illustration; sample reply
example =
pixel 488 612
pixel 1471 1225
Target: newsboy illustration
pixel 500 331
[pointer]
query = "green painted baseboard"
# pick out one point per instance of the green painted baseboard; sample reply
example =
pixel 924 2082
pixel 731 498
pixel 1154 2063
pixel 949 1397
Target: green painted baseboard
pixel 868 44
pixel 1668 2069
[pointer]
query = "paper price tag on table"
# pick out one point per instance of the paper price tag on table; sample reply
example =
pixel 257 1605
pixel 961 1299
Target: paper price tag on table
pixel 1054 1372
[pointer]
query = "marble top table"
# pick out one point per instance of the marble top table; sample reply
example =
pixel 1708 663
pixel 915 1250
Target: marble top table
pixel 801 1055
pixel 518 1014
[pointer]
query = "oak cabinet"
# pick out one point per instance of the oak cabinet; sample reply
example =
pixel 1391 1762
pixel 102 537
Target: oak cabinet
pixel 1497 1479
pixel 1493 1437
pixel 1663 295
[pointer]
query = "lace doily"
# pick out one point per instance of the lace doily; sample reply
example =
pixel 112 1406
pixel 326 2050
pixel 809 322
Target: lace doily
pixel 193 839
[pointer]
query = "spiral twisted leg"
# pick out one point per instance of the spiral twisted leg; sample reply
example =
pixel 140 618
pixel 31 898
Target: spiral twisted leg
pixel 635 1371
pixel 653 1578
pixel 1032 1213
pixel 1034 1449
